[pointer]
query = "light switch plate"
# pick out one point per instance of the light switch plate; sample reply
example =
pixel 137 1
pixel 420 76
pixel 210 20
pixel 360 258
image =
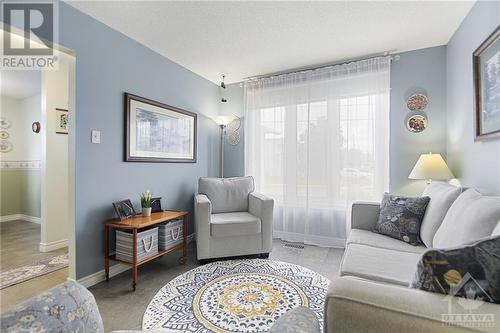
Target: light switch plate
pixel 96 136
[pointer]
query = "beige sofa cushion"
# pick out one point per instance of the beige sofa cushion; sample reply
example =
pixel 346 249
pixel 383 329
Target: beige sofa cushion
pixel 365 237
pixel 442 197
pixel 234 224
pixel 472 216
pixel 227 194
pixel 378 264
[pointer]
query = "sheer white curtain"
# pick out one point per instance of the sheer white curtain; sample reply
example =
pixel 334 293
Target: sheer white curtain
pixel 317 140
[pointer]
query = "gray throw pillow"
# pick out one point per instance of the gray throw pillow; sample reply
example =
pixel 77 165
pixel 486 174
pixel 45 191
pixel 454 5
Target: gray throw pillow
pixel 442 197
pixel 400 217
pixel 471 271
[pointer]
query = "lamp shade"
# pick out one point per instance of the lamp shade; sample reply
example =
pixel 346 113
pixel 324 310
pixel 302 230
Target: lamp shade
pixel 431 166
pixel 222 120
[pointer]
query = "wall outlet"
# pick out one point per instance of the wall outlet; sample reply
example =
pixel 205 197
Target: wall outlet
pixel 96 136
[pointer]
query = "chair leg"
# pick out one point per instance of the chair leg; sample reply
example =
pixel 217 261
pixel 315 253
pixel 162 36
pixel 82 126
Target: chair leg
pixel 203 261
pixel 264 255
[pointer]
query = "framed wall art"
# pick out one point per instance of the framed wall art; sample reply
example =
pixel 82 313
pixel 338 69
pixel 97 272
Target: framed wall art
pixel 486 67
pixel 156 132
pixel 61 121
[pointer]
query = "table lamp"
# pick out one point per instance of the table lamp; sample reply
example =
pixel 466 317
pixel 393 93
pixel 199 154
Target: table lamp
pixel 431 167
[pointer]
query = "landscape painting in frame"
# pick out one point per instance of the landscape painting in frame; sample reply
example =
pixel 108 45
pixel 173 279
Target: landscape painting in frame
pixel 156 132
pixel 486 62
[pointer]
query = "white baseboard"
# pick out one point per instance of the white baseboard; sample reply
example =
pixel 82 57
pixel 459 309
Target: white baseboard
pixel 97 277
pixel 93 279
pixel 47 247
pixel 14 217
pixel 321 241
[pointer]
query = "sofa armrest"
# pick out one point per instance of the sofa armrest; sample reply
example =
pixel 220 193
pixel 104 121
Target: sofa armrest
pixel 202 218
pixel 364 215
pixel 68 307
pixel 358 305
pixel 262 207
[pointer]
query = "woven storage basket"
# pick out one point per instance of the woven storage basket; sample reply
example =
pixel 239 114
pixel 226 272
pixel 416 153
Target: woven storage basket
pixel 147 244
pixel 170 234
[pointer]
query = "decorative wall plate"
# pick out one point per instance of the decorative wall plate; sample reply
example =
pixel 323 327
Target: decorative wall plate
pixel 417 102
pixel 5 146
pixel 234 125
pixel 416 123
pixel 233 138
pixel 5 123
pixel 4 135
pixel 35 127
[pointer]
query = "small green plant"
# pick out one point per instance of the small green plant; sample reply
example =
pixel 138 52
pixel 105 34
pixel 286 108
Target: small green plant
pixel 146 199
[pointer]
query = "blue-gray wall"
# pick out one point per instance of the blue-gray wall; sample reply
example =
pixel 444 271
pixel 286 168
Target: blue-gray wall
pixel 476 164
pixel 107 65
pixel 416 71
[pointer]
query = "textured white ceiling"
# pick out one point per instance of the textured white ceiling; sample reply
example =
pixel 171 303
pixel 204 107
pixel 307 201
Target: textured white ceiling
pixel 243 38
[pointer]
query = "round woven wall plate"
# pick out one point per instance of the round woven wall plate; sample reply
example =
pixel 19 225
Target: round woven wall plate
pixel 417 102
pixel 416 123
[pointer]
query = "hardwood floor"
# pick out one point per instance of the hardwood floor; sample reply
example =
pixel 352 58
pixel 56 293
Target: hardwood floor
pixel 19 245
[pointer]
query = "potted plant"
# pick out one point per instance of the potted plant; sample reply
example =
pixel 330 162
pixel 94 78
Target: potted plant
pixel 146 200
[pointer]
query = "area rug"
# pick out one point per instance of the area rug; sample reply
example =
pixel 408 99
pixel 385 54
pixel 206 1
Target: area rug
pixel 246 295
pixel 47 265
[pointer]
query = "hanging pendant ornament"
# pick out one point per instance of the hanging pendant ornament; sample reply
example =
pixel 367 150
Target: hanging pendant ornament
pixel 223 86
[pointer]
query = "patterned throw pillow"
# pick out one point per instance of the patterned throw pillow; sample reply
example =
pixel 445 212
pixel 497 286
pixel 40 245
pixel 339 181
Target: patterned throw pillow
pixel 400 217
pixel 472 271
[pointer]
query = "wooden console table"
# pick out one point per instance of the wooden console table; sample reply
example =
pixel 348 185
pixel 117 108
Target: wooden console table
pixel 139 222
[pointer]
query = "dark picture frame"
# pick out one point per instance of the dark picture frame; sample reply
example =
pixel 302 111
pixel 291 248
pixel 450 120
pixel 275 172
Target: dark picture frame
pixel 62 121
pixel 156 205
pixel 124 209
pixel 487 53
pixel 159 117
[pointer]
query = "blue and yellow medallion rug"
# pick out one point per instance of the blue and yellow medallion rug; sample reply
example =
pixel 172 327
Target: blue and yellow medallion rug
pixel 246 295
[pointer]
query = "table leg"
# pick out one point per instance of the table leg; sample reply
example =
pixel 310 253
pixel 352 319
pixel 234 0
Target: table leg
pixel 134 251
pixel 106 251
pixel 184 238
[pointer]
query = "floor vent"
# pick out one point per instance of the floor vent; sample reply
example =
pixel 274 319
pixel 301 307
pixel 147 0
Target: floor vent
pixel 293 245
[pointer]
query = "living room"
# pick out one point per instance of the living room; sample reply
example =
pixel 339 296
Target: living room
pixel 245 166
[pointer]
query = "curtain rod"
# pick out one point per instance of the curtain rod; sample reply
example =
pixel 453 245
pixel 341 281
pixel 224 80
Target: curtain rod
pixel 316 67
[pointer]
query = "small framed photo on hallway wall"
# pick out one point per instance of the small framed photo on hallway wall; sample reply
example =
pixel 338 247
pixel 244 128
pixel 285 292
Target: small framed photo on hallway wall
pixel 486 67
pixel 62 121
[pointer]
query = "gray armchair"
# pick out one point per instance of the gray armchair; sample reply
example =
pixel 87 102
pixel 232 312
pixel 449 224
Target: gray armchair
pixel 230 219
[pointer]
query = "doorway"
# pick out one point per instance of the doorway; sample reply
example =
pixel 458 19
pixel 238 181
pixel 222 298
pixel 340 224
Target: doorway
pixel 36 188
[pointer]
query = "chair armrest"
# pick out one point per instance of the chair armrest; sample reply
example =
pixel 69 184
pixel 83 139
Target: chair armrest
pixel 68 307
pixel 364 215
pixel 358 305
pixel 202 218
pixel 298 320
pixel 262 207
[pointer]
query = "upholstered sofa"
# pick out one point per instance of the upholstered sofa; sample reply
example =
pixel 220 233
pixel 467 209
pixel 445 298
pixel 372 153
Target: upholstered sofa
pixel 231 219
pixel 372 292
pixel 69 307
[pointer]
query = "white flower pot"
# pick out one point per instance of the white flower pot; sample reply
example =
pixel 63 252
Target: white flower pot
pixel 146 211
